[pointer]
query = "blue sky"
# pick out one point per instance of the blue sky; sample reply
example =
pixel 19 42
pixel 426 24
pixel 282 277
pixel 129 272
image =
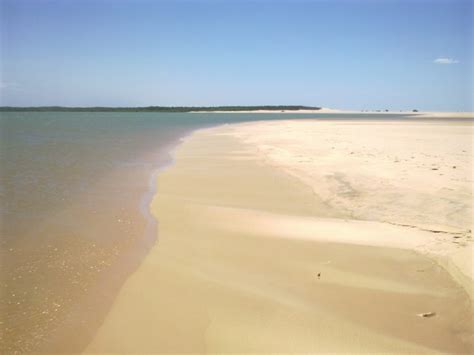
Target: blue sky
pixel 359 54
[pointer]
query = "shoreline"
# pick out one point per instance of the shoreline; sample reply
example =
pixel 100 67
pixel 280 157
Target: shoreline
pixel 335 112
pixel 108 286
pixel 181 278
pixel 90 261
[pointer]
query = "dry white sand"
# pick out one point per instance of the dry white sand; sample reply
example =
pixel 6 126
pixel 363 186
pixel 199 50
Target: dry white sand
pixel 336 112
pixel 413 174
pixel 300 237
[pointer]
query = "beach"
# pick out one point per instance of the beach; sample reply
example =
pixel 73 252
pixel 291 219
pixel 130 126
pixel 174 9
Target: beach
pixel 75 218
pixel 305 236
pixel 241 177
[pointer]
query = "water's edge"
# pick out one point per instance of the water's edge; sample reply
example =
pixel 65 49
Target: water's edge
pixel 76 322
pixel 151 233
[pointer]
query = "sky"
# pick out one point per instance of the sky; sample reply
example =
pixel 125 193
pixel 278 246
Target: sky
pixel 348 54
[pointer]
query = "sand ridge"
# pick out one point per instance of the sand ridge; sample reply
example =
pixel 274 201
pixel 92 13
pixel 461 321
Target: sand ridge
pixel 253 259
pixel 417 175
pixel 337 112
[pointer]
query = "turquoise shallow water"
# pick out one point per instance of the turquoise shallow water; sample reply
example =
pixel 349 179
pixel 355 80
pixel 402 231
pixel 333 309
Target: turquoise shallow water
pixel 74 198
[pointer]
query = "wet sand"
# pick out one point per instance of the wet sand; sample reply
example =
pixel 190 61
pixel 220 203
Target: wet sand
pixel 255 256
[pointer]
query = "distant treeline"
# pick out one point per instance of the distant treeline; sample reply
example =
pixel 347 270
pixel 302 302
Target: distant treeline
pixel 153 108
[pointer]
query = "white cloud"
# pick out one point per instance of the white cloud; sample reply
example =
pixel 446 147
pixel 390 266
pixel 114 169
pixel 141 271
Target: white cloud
pixel 445 61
